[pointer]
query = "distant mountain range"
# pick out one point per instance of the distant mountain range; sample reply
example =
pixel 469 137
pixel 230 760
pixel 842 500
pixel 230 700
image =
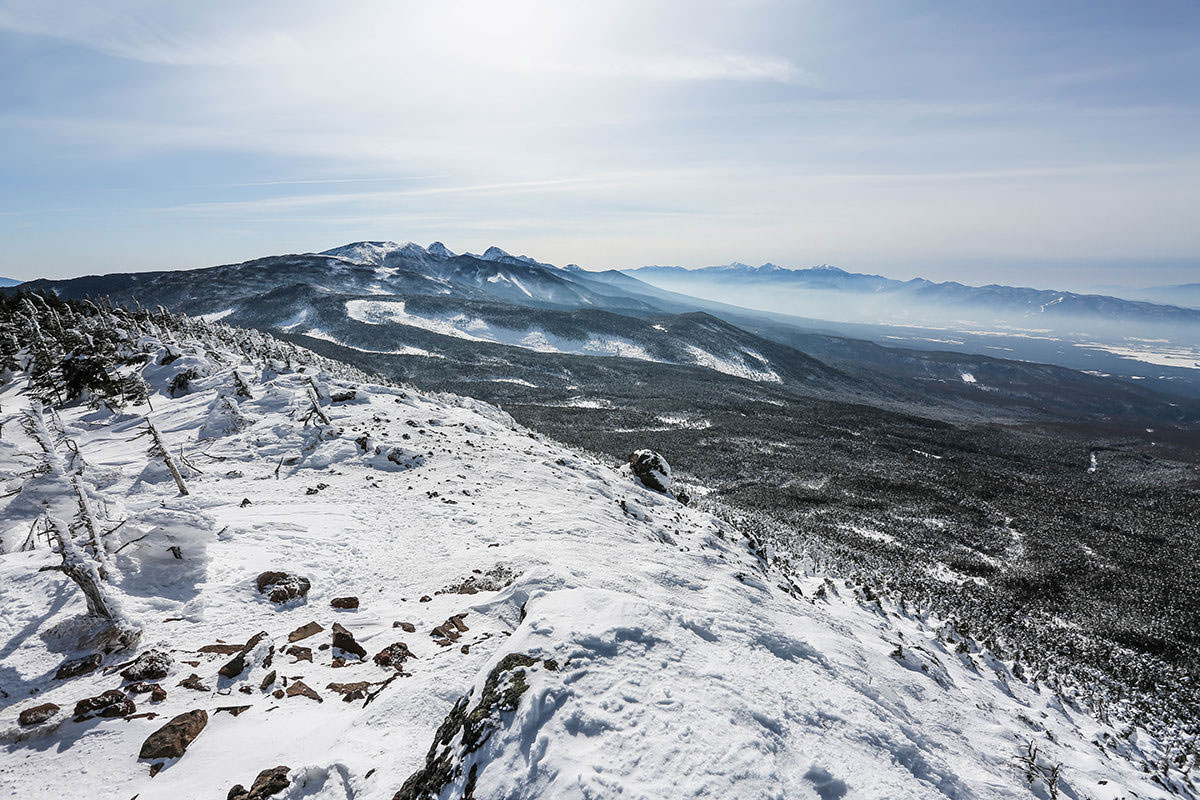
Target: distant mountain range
pixel 473 323
pixel 861 297
pixel 9 282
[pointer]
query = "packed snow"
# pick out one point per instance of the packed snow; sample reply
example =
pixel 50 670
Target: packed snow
pixel 614 642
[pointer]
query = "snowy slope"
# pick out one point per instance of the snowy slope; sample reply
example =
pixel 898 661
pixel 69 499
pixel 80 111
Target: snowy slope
pixel 657 652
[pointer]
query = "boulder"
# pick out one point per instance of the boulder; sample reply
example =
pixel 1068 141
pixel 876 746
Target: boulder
pixel 113 703
pixel 280 587
pixel 652 470
pixel 344 640
pixel 78 666
pixel 172 739
pixel 149 666
pixel 38 714
pixel 344 603
pixel 269 782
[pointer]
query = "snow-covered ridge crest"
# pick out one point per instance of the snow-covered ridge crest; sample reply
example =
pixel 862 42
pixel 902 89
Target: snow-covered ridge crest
pixel 559 630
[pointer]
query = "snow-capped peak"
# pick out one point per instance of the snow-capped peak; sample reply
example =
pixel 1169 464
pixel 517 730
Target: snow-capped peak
pixel 494 253
pixel 440 250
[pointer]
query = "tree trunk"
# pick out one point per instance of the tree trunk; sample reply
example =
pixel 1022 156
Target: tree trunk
pixel 165 454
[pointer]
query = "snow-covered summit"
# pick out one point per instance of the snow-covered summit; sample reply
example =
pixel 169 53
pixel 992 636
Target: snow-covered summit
pixel 525 621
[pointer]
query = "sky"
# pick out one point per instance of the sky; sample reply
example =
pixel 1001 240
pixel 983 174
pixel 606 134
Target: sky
pixel 1031 143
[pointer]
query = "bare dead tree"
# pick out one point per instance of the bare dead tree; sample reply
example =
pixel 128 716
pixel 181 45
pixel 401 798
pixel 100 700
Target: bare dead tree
pixel 158 449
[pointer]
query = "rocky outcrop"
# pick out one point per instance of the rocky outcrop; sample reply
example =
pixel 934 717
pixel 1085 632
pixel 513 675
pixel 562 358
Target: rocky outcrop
pixel 466 729
pixel 344 603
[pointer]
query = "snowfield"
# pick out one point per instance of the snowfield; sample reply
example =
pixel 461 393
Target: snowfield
pixel 376 312
pixel 573 634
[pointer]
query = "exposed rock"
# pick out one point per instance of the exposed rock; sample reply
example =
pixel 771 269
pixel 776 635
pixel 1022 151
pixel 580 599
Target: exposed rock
pixel 267 681
pixel 150 665
pixel 393 656
pixel 345 603
pixel 38 714
pixel 193 682
pixel 221 649
pixel 157 693
pixel 236 665
pixel 302 689
pixel 280 587
pixel 268 782
pixel 305 631
pixel 351 691
pixel 300 653
pixel 465 731
pixel 172 739
pixel 652 470
pixel 344 640
pixel 407 627
pixel 233 711
pixel 113 703
pixel 78 666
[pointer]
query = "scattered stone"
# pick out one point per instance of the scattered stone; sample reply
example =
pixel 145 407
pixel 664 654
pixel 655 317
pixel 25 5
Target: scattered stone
pixel 466 648
pixel 277 694
pixel 344 640
pixel 345 603
pixel 78 666
pixel 156 767
pixel 245 502
pixel 221 649
pixel 351 691
pixel 393 656
pixel 246 689
pixel 38 714
pixel 113 703
pixel 268 782
pixel 280 587
pixel 172 739
pixel 338 662
pixel 300 653
pixel 149 666
pixel 236 665
pixel 305 631
pixel 193 682
pixel 267 681
pixel 425 598
pixel 302 689
pixel 407 627
pixel 233 711
pixel 158 694
pixel 652 470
